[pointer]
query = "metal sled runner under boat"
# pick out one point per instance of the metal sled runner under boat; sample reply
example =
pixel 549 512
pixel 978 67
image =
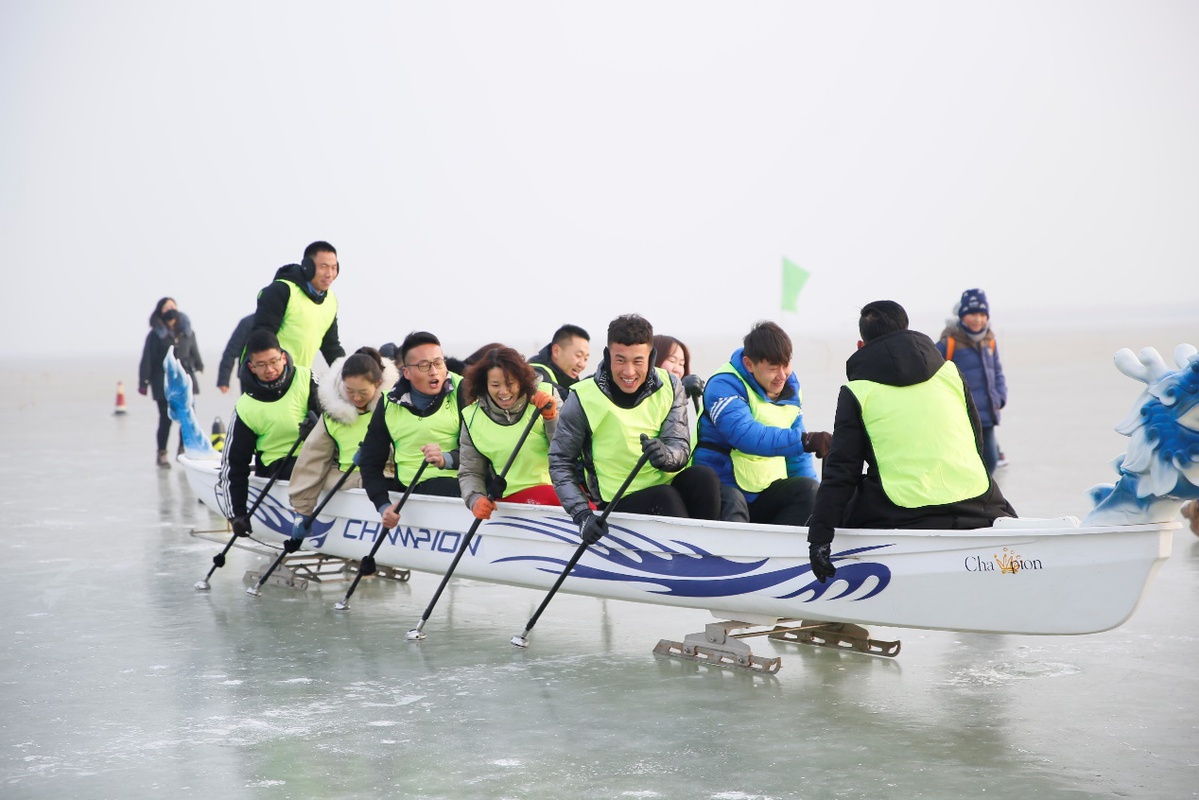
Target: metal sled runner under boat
pixel 1022 576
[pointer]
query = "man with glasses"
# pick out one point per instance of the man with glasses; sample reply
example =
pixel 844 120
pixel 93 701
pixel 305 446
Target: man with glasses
pixel 300 308
pixel 420 418
pixel 278 405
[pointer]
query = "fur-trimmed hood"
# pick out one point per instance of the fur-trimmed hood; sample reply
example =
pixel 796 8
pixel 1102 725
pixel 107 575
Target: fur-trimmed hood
pixel 330 390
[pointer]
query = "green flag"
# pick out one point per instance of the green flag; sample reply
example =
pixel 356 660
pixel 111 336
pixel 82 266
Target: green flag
pixel 794 278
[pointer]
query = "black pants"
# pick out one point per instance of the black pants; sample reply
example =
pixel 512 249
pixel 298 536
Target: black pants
pixel 164 425
pixel 787 501
pixel 694 493
pixel 268 470
pixel 437 487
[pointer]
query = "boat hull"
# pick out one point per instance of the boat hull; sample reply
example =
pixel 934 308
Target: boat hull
pixel 1021 577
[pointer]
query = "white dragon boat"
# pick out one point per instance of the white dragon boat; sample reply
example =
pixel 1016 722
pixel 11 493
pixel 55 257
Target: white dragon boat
pixel 1022 576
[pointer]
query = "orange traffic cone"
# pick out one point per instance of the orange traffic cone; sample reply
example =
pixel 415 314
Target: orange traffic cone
pixel 120 409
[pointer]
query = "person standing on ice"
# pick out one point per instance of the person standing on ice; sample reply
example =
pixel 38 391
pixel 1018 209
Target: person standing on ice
pixel 234 348
pixel 169 328
pixel 629 407
pixel 970 344
pixel 906 415
pixel 752 430
pixel 299 307
pixel 277 408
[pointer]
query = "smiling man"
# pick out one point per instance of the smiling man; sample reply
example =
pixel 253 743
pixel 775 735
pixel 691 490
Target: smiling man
pixel 563 361
pixel 628 407
pixel 752 430
pixel 300 308
pixel 420 418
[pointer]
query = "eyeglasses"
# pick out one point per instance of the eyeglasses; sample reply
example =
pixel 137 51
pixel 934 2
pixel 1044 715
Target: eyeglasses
pixel 274 362
pixel 425 366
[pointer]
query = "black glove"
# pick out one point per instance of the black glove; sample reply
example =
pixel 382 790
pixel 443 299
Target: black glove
pixel 822 565
pixel 241 525
pixel 659 456
pixel 291 545
pixel 497 487
pixel 693 385
pixel 308 424
pixel 817 443
pixel 591 528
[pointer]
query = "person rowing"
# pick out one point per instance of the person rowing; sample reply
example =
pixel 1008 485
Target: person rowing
pixel 420 417
pixel 503 394
pixel 279 403
pixel 628 402
pixel 349 393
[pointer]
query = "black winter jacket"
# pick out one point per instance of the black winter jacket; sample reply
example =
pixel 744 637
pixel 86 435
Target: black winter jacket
pixel 847 498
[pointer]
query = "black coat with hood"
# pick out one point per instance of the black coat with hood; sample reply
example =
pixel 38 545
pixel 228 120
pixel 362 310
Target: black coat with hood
pixel 272 303
pixel 847 498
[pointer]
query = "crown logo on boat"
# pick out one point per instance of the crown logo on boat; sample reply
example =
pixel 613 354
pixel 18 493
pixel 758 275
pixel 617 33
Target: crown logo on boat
pixel 1009 563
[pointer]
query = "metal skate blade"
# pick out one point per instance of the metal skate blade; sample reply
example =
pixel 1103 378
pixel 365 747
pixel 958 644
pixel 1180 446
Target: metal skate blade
pixel 253 591
pixel 415 635
pixel 519 641
pixel 201 586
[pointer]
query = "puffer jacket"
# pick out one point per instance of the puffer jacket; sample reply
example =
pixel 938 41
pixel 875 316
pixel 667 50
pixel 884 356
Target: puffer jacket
pixel 979 364
pixel 572 441
pixel 728 424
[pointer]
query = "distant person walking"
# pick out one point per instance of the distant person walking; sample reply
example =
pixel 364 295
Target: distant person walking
pixel 970 344
pixel 299 306
pixel 169 328
pixel 231 358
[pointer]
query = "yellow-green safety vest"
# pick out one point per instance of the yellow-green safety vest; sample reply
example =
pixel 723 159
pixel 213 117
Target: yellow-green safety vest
pixel 305 323
pixel 496 442
pixel 755 473
pixel 923 441
pixel 409 432
pixel 616 435
pixel 277 423
pixel 348 438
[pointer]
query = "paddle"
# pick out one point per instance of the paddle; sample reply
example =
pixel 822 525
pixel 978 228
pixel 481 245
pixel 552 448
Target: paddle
pixel 417 633
pixel 367 565
pixel 218 560
pixel 293 544
pixel 522 639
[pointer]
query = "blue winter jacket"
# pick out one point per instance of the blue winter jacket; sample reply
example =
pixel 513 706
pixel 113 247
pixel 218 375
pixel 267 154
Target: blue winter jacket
pixel 981 369
pixel 727 423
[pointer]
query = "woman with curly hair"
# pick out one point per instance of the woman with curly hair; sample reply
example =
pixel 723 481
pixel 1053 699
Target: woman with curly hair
pixel 503 394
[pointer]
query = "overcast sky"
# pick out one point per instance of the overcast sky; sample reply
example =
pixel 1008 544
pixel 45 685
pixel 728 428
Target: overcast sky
pixel 488 171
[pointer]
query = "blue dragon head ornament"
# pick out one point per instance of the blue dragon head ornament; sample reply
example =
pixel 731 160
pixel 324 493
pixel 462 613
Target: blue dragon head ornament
pixel 1160 469
pixel 178 385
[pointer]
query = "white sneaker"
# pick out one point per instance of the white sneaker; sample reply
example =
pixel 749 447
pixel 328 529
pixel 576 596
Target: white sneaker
pixel 1002 461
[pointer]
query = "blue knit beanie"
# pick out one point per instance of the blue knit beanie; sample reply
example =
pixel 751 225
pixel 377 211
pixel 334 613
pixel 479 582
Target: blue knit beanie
pixel 974 301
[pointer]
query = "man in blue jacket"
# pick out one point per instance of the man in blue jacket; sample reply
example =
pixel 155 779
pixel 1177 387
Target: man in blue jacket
pixel 752 430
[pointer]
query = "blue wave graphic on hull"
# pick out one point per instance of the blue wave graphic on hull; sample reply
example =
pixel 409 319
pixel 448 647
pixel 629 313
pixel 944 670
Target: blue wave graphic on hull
pixel 696 572
pixel 279 518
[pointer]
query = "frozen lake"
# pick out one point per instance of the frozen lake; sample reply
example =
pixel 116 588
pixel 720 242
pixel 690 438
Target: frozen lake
pixel 120 680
